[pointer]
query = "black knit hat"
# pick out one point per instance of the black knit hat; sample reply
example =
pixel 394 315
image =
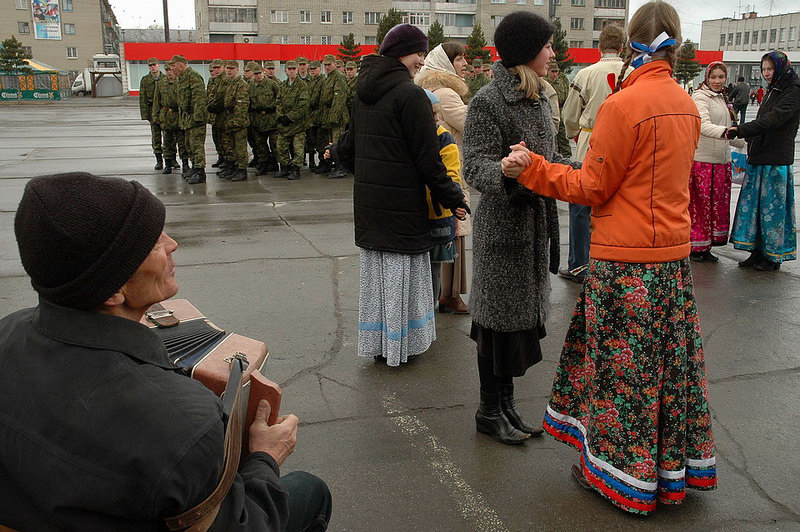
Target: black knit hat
pixel 520 37
pixel 81 237
pixel 404 39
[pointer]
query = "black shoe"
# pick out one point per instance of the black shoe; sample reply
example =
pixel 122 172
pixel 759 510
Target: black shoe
pixel 337 173
pixel 709 257
pixel 489 419
pixel 198 176
pixel 186 171
pixel 576 275
pixel 159 162
pixel 239 175
pixel 696 256
pixel 509 408
pixel 323 168
pixel 272 165
pixel 295 173
pixel 219 163
pixel 580 478
pixel 252 163
pixel 285 172
pixel 750 261
pixel 169 164
pixel 766 265
pixel 261 169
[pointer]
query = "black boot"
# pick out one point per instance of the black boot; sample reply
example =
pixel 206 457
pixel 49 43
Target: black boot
pixel 286 171
pixel 323 168
pixel 766 265
pixel 239 175
pixel 227 169
pixel 489 419
pixel 750 261
pixel 261 169
pixel 220 162
pixel 186 170
pixel 509 407
pixel 198 176
pixel 337 172
pixel 167 167
pixel 252 163
pixel 272 164
pixel 159 162
pixel 295 173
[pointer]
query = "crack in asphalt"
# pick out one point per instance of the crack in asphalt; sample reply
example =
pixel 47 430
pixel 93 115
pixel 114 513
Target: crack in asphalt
pixel 755 375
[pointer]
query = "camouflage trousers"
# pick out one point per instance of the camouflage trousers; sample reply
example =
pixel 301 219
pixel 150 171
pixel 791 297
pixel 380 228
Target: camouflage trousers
pixel 174 143
pixel 234 142
pixel 266 145
pixel 195 139
pixel 155 137
pixel 562 142
pixel 297 143
pixel 328 136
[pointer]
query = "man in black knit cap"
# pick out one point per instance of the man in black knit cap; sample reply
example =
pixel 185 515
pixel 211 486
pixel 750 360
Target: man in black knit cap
pixel 98 430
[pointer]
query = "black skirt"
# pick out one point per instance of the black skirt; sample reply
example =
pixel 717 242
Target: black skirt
pixel 512 352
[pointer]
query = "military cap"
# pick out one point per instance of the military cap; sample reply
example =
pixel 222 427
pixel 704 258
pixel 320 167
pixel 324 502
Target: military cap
pixel 351 64
pixel 487 66
pixel 477 63
pixel 231 63
pixel 291 64
pixel 302 60
pixel 269 64
pixel 553 64
pixel 152 61
pixel 329 60
pixel 250 65
pixel 339 63
pixel 217 62
pixel 257 68
pixel 168 65
pixel 179 59
pixel 314 64
pixel 469 68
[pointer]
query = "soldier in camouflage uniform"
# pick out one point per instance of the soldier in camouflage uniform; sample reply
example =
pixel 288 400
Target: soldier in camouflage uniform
pixel 351 72
pixel 340 65
pixel 478 79
pixel 193 116
pixel 314 82
pixel 487 71
pixel 561 85
pixel 147 90
pixel 269 72
pixel 333 110
pixel 292 122
pixel 165 106
pixel 237 119
pixel 263 120
pixel 249 76
pixel 302 68
pixel 217 71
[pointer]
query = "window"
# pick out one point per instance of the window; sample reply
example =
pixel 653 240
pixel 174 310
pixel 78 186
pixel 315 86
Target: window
pixel 755 37
pixel 746 38
pixel 730 39
pixel 281 39
pixel 773 33
pixel 763 36
pixel 791 33
pixel 576 23
pixel 521 2
pixel 305 39
pixel 459 20
pixel 617 4
pixel 417 18
pixel 371 39
pixel 738 38
pixel 279 16
pixel 325 39
pixel 721 39
pixel 347 17
pixel 783 34
pixel 22 4
pixel 496 20
pixel 23 27
pixel 67 5
pixel 305 16
pixel 595 44
pixel 69 29
pixel 372 17
pixel 231 14
pixel 576 44
pixel 498 1
pixel 578 3
pixel 538 2
pixel 325 17
pixel 72 52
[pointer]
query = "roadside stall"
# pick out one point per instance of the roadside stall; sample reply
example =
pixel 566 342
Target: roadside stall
pixel 44 83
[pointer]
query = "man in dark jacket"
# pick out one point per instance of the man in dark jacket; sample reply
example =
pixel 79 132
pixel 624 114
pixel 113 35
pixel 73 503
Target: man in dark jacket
pixel 98 429
pixel 740 96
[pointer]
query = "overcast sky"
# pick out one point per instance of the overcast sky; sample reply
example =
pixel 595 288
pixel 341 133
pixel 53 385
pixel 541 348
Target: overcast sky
pixel 143 13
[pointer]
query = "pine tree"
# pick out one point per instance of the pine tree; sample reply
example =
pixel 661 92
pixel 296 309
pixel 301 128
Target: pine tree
pixel 687 67
pixel 435 35
pixel 391 19
pixel 561 48
pixel 13 57
pixel 348 49
pixel 476 45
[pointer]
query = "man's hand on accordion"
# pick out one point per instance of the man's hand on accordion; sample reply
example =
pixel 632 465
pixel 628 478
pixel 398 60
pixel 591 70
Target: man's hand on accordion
pixel 278 440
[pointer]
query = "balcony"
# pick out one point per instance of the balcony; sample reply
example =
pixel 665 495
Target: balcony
pixel 457 31
pixel 233 3
pixel 608 12
pixel 233 27
pixel 455 7
pixel 411 6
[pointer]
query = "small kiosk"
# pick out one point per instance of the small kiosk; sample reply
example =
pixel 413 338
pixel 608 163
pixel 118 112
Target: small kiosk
pixel 44 83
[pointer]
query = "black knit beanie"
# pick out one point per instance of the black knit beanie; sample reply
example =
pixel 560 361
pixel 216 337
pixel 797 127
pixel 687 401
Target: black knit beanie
pixel 81 237
pixel 520 37
pixel 403 39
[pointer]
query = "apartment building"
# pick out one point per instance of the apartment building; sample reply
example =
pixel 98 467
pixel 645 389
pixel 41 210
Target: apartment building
pixel 64 34
pixel 327 21
pixel 752 33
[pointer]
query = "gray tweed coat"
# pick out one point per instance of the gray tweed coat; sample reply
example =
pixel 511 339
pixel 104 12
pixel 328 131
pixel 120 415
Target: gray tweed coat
pixel 515 238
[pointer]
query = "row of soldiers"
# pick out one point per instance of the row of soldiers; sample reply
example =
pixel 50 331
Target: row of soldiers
pixel 282 121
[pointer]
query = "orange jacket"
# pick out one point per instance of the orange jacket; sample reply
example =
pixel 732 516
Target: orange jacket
pixel 636 173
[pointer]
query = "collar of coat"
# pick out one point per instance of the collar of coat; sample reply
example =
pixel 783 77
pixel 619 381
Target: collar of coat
pixel 507 84
pixel 653 68
pixel 437 80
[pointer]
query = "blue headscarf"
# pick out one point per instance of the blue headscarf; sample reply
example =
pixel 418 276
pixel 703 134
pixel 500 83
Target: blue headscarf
pixel 784 72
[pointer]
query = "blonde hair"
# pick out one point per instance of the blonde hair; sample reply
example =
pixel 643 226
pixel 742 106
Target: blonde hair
pixel 645 25
pixel 437 113
pixel 530 84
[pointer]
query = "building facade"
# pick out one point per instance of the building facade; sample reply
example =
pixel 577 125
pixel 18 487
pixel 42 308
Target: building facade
pixel 63 34
pixel 328 21
pixel 752 33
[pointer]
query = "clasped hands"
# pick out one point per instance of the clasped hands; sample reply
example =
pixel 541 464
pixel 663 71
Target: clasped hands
pixel 516 161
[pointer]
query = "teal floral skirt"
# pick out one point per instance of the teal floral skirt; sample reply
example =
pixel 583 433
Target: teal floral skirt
pixel 765 219
pixel 630 391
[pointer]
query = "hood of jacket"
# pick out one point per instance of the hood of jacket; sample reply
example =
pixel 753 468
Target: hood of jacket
pixel 435 61
pixel 377 76
pixel 435 80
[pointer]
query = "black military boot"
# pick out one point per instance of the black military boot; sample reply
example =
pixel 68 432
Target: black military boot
pixel 323 168
pixel 167 167
pixel 509 407
pixel 261 169
pixel 285 171
pixel 295 173
pixel 186 170
pixel 159 162
pixel 226 170
pixel 272 164
pixel 198 176
pixel 489 419
pixel 239 175
pixel 220 162
pixel 252 163
pixel 312 164
pixel 337 172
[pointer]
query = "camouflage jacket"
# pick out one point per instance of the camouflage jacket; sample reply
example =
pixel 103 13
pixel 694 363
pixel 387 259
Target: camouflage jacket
pixel 561 85
pixel 293 104
pixel 333 101
pixel 314 91
pixel 477 83
pixel 351 91
pixel 237 104
pixel 165 105
pixel 211 90
pixel 264 105
pixel 191 100
pixel 147 91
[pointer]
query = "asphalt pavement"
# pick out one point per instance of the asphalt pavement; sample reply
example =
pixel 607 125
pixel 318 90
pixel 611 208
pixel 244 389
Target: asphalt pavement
pixel 275 260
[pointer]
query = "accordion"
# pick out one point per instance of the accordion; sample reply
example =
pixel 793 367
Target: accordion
pixel 204 352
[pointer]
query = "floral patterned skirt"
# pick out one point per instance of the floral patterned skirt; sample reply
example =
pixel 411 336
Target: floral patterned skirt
pixel 709 204
pixel 630 391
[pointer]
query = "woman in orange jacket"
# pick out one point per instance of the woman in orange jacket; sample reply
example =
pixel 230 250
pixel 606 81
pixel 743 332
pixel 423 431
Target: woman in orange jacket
pixel 630 391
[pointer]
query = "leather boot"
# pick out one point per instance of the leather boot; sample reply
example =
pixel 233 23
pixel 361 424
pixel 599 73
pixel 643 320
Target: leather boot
pixel 337 172
pixel 489 419
pixel 295 173
pixel 220 162
pixel 749 262
pixel 323 168
pixel 167 167
pixel 198 176
pixel 227 170
pixel 252 163
pixel 272 165
pixel 239 175
pixel 286 171
pixel 186 170
pixel 509 407
pixel 261 169
pixel 159 162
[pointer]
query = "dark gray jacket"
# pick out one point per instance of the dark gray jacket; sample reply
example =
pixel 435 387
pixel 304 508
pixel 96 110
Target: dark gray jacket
pixel 771 136
pixel 515 235
pixel 99 432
